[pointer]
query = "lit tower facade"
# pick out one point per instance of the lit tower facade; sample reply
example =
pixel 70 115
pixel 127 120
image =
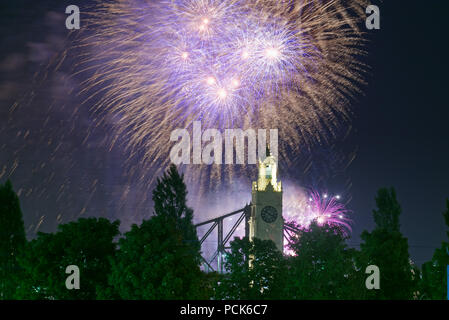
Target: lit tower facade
pixel 266 221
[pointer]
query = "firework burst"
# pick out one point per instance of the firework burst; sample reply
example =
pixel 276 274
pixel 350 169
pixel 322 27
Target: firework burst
pixel 324 209
pixel 155 66
pixel 302 209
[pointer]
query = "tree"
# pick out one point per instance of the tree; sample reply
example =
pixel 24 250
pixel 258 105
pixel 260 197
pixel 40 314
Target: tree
pixel 323 267
pixel 12 240
pixel 160 259
pixel 434 277
pixel 389 209
pixel 387 248
pixel 170 202
pixel 255 270
pixel 86 243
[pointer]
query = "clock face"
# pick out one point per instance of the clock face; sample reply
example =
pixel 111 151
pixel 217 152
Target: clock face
pixel 269 214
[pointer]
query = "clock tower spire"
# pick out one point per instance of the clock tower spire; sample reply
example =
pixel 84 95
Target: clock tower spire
pixel 266 221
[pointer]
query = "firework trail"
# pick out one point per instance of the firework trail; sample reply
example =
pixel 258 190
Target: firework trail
pixel 155 66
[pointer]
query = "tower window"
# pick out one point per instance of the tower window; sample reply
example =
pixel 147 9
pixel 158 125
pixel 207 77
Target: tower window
pixel 268 172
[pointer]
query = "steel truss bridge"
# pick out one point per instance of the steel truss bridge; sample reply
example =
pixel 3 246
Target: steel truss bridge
pixel 223 239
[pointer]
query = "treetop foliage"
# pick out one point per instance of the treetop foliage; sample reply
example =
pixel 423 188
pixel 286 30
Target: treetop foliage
pixel 161 258
pixel 12 240
pixel 388 210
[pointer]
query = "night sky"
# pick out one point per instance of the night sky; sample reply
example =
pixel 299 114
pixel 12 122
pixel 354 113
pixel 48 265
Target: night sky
pixel 62 169
pixel 402 123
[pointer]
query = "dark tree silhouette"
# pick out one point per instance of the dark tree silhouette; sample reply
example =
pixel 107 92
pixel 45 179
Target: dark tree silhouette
pixel 386 216
pixel 323 266
pixel 170 202
pixel 160 259
pixel 12 240
pixel 387 248
pixel 255 270
pixel 434 277
pixel 86 243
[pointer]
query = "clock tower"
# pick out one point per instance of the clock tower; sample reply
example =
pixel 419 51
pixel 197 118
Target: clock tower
pixel 266 221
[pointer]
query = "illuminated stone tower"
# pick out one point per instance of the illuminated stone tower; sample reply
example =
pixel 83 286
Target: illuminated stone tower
pixel 266 221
